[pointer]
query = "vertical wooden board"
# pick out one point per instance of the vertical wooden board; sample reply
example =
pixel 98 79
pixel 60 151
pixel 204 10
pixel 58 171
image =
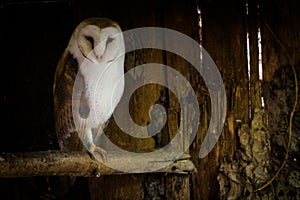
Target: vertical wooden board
pixel 252 24
pixel 252 28
pixel 146 96
pixel 180 16
pixel 280 35
pixel 177 187
pixel 224 38
pixel 200 180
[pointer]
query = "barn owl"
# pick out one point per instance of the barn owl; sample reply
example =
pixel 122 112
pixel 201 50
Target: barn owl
pixel 84 92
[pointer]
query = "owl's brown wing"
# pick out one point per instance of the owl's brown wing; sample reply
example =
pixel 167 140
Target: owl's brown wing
pixel 65 76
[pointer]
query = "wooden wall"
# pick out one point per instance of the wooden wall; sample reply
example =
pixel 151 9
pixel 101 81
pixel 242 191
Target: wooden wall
pixel 35 35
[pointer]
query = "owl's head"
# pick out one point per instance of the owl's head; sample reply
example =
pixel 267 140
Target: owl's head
pixel 98 40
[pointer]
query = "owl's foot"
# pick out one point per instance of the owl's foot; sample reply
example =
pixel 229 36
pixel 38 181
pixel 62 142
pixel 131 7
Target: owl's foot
pixel 93 148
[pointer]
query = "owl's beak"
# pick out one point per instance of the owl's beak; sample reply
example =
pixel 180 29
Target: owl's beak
pixel 99 51
pixel 95 56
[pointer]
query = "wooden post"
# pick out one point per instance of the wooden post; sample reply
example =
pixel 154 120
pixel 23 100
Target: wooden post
pixel 224 38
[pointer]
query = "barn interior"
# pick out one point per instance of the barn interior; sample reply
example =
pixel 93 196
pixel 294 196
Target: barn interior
pixel 255 45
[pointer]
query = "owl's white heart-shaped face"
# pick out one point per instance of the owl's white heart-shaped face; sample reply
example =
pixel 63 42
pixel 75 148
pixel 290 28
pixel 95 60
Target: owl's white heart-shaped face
pixel 100 45
pixel 97 42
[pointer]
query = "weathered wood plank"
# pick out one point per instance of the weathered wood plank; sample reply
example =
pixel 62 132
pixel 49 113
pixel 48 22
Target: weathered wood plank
pixel 57 163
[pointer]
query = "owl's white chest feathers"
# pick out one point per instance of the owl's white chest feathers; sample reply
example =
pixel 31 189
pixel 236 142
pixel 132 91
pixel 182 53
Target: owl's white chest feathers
pixel 104 86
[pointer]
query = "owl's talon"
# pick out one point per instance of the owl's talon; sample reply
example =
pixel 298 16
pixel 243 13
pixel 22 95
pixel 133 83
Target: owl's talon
pixel 99 150
pixel 102 152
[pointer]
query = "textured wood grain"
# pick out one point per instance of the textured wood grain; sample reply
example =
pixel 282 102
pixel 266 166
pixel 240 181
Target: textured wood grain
pixel 224 38
pixel 57 163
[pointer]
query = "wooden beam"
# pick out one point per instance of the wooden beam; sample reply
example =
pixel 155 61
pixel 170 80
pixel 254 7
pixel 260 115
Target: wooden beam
pixel 58 163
